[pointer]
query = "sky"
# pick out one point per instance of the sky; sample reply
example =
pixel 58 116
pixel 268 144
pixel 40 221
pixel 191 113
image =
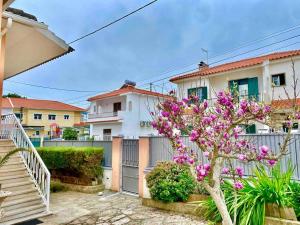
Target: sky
pixel 162 40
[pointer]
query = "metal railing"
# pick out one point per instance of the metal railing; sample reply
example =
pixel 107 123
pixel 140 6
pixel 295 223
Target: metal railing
pixel 11 128
pixel 102 115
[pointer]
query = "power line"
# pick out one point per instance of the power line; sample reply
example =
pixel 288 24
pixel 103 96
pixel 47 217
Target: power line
pixel 215 62
pixel 113 22
pixel 48 87
pixel 243 45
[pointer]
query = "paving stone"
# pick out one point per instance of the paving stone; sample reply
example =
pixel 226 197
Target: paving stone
pixel 73 208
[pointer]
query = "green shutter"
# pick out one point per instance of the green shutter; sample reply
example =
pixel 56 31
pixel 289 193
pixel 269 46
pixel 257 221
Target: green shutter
pixel 253 88
pixel 233 87
pixel 191 91
pixel 204 93
pixel 251 129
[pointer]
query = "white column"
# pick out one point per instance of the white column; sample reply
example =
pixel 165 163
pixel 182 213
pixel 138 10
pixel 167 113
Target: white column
pixel 266 85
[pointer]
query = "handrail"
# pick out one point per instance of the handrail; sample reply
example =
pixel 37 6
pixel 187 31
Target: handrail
pixel 11 128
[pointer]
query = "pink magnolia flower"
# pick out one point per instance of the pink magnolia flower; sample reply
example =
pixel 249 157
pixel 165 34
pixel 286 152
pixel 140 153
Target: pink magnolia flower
pixel 238 185
pixel 225 170
pixel 242 157
pixel 271 162
pixel 239 171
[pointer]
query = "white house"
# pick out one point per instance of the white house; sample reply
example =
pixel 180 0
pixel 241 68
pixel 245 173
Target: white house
pixel 263 77
pixel 124 112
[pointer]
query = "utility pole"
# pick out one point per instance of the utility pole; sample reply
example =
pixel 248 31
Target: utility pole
pixel 151 86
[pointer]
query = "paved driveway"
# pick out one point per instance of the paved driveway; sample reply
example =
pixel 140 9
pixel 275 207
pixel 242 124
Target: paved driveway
pixel 110 209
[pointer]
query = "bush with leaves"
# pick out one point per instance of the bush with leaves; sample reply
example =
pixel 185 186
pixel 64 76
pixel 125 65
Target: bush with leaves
pixel 70 134
pixel 74 161
pixel 257 192
pixel 170 182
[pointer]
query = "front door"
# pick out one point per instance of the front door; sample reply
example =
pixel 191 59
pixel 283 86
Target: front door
pixel 130 166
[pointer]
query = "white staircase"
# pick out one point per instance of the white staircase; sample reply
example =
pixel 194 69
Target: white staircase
pixel 24 175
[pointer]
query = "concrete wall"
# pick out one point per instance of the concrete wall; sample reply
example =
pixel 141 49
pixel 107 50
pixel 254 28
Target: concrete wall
pixel 107 177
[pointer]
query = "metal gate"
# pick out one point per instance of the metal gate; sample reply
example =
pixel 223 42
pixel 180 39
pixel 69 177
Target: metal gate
pixel 130 165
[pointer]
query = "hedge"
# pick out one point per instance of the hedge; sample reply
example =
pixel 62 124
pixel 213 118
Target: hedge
pixel 73 161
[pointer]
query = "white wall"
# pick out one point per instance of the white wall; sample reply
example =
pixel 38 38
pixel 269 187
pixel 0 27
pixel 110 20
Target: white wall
pixel 6 111
pixel 106 105
pixel 263 72
pixel 96 129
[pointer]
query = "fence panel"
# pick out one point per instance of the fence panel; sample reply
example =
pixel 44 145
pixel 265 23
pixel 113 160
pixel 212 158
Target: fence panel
pixel 107 146
pixel 161 150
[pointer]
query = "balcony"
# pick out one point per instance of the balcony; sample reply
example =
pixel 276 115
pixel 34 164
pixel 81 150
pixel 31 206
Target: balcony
pixel 105 116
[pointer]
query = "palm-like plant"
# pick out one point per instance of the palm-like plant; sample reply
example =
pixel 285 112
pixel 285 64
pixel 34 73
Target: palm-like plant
pixel 263 188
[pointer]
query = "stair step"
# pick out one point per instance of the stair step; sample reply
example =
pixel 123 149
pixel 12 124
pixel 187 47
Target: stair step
pixel 6 142
pixel 26 218
pixel 14 186
pixel 12 178
pixel 31 192
pixel 4 170
pixel 20 205
pixel 22 212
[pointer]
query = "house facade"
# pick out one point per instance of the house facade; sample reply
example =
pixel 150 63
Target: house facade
pixel 264 78
pixel 123 112
pixel 43 118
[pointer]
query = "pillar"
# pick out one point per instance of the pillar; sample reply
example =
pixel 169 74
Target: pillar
pixel 2 58
pixel 116 163
pixel 144 151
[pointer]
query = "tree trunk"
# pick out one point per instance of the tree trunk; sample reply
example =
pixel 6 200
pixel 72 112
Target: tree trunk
pixel 221 205
pixel 214 189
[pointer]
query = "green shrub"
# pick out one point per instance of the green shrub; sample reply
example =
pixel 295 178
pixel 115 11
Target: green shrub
pixel 74 161
pixel 70 134
pixel 170 182
pixel 295 190
pixel 259 190
pixel 56 186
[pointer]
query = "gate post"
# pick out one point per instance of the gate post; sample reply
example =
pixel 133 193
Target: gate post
pixel 144 151
pixel 116 162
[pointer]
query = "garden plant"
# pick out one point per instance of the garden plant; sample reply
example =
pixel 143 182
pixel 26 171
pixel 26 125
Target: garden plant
pixel 215 127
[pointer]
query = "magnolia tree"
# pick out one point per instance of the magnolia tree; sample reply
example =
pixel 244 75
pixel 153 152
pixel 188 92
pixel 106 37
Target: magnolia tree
pixel 215 129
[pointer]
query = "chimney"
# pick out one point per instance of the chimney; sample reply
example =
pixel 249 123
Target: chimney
pixel 202 65
pixel 128 83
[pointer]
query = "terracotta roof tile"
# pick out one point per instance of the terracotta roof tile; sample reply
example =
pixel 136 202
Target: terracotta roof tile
pixel 127 89
pixel 238 64
pixel 284 104
pixel 39 104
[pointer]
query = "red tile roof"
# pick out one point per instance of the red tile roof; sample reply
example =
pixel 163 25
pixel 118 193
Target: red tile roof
pixel 128 89
pixel 238 64
pixel 284 103
pixel 38 104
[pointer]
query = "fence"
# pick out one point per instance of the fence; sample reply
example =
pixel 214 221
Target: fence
pixel 161 150
pixel 107 145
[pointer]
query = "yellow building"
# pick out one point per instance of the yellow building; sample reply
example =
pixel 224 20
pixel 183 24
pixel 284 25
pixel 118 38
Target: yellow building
pixel 43 118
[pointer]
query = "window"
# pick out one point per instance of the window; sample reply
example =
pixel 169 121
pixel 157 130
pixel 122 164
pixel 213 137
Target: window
pixel 201 92
pixel 51 117
pixel 106 134
pixel 19 115
pixel 37 116
pixel 278 79
pixel 66 117
pixel 95 109
pixel 245 88
pixel 37 133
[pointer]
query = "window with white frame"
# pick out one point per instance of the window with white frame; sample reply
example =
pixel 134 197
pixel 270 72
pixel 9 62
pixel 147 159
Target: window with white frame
pixel 66 117
pixel 51 117
pixel 278 79
pixel 37 116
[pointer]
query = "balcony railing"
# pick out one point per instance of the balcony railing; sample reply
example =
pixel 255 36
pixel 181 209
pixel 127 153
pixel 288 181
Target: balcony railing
pixel 102 115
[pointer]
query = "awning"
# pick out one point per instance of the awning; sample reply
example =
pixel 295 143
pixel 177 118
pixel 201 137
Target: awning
pixel 29 43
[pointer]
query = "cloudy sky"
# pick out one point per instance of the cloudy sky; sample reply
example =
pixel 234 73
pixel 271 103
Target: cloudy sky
pixel 163 39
